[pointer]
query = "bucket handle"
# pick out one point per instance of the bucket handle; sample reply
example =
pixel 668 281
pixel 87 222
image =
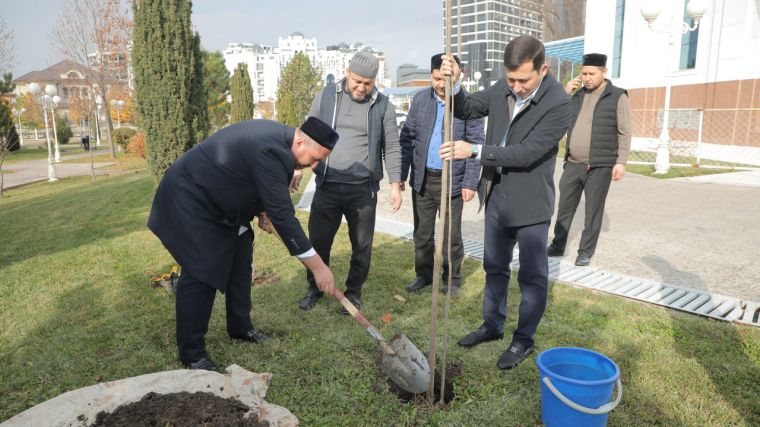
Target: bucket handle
pixel 607 407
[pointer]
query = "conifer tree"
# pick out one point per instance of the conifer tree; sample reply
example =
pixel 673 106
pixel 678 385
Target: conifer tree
pixel 242 95
pixel 170 96
pixel 298 84
pixel 9 140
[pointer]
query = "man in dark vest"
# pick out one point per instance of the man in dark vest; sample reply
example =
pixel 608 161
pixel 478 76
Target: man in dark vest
pixel 596 152
pixel 202 212
pixel 349 179
pixel 528 113
pixel 421 139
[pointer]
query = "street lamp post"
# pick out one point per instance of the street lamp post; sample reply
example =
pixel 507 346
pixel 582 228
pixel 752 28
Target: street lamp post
pixel 35 89
pixel 650 10
pixel 55 101
pixel 20 131
pixel 99 102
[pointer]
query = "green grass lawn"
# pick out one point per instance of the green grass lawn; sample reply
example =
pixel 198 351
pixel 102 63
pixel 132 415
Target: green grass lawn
pixel 76 310
pixel 674 171
pixel 123 162
pixel 36 152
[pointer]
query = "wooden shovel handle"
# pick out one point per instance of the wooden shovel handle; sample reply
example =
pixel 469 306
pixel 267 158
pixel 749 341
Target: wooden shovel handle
pixel 353 311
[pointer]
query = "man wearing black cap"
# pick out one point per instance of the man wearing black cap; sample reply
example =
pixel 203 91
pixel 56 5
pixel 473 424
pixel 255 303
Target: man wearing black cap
pixel 421 139
pixel 202 212
pixel 348 181
pixel 597 150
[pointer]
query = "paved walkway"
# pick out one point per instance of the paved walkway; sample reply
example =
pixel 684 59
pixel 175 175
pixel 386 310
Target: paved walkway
pixel 31 171
pixel 699 234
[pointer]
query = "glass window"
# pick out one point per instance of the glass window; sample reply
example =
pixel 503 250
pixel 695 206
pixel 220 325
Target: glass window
pixel 617 52
pixel 689 45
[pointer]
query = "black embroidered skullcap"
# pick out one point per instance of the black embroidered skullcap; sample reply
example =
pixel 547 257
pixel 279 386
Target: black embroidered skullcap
pixel 320 132
pixel 595 59
pixel 435 61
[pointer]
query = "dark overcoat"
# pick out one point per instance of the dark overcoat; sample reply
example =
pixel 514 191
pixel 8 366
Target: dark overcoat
pixel 218 186
pixel 527 160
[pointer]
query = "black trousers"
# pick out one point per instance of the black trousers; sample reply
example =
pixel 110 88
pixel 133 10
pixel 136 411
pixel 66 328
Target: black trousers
pixel 195 300
pixel 594 184
pixel 332 201
pixel 425 205
pixel 533 276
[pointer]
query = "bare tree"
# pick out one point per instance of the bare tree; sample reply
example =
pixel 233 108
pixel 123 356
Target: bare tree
pixel 7 47
pixel 96 33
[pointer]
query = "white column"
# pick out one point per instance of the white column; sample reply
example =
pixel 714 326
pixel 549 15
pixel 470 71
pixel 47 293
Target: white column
pixel 662 161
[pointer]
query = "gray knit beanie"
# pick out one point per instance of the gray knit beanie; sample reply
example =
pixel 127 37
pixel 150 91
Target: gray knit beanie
pixel 364 64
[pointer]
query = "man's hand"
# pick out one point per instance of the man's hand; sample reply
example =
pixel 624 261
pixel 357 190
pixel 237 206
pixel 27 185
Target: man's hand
pixel 456 150
pixel 573 85
pixel 618 171
pixel 296 181
pixel 449 67
pixel 322 274
pixel 395 196
pixel 402 184
pixel 467 194
pixel 325 280
pixel 264 223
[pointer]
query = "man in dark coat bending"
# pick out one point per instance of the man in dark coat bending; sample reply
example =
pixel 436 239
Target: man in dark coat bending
pixel 202 213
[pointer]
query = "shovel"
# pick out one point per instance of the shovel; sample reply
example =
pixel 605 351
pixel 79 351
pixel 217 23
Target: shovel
pixel 400 360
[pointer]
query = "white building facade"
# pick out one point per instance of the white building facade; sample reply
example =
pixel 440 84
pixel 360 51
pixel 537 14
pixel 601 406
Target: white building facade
pixel 487 27
pixel 266 63
pixel 712 74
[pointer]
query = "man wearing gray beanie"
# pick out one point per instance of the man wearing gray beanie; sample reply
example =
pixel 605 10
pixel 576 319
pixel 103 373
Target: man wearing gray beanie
pixel 349 179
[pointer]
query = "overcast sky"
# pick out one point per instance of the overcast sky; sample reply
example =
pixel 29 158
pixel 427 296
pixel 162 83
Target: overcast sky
pixel 408 31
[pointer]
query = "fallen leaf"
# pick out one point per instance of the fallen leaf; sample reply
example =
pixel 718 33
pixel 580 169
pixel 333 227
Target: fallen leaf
pixel 387 317
pixel 399 298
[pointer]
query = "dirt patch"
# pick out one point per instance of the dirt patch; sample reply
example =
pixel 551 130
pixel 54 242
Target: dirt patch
pixel 452 371
pixel 178 409
pixel 263 277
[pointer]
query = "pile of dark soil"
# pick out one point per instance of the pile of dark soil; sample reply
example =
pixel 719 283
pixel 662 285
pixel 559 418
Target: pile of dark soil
pixel 178 409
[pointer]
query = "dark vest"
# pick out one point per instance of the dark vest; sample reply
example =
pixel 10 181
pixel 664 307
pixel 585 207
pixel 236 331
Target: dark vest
pixel 604 126
pixel 328 108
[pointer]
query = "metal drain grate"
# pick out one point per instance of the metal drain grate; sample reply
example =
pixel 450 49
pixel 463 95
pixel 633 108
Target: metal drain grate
pixel 697 302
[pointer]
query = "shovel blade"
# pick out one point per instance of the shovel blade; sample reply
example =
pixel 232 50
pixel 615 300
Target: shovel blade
pixel 409 368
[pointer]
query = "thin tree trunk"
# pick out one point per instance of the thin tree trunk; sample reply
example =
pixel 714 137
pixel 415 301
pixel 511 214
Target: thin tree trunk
pixel 109 123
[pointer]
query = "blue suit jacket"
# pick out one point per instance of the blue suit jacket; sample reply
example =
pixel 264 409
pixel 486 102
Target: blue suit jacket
pixel 527 161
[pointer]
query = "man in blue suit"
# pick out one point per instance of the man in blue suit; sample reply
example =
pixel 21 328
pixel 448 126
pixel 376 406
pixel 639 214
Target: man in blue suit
pixel 528 113
pixel 421 139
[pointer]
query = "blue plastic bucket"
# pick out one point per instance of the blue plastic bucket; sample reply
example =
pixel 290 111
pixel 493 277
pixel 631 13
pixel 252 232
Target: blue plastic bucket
pixel 576 387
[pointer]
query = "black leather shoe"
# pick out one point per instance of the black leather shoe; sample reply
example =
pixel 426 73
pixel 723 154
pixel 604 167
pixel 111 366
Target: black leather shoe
pixel 555 251
pixel 311 299
pixel 482 335
pixel 252 336
pixel 583 260
pixel 418 284
pixel 515 354
pixel 356 301
pixel 204 363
